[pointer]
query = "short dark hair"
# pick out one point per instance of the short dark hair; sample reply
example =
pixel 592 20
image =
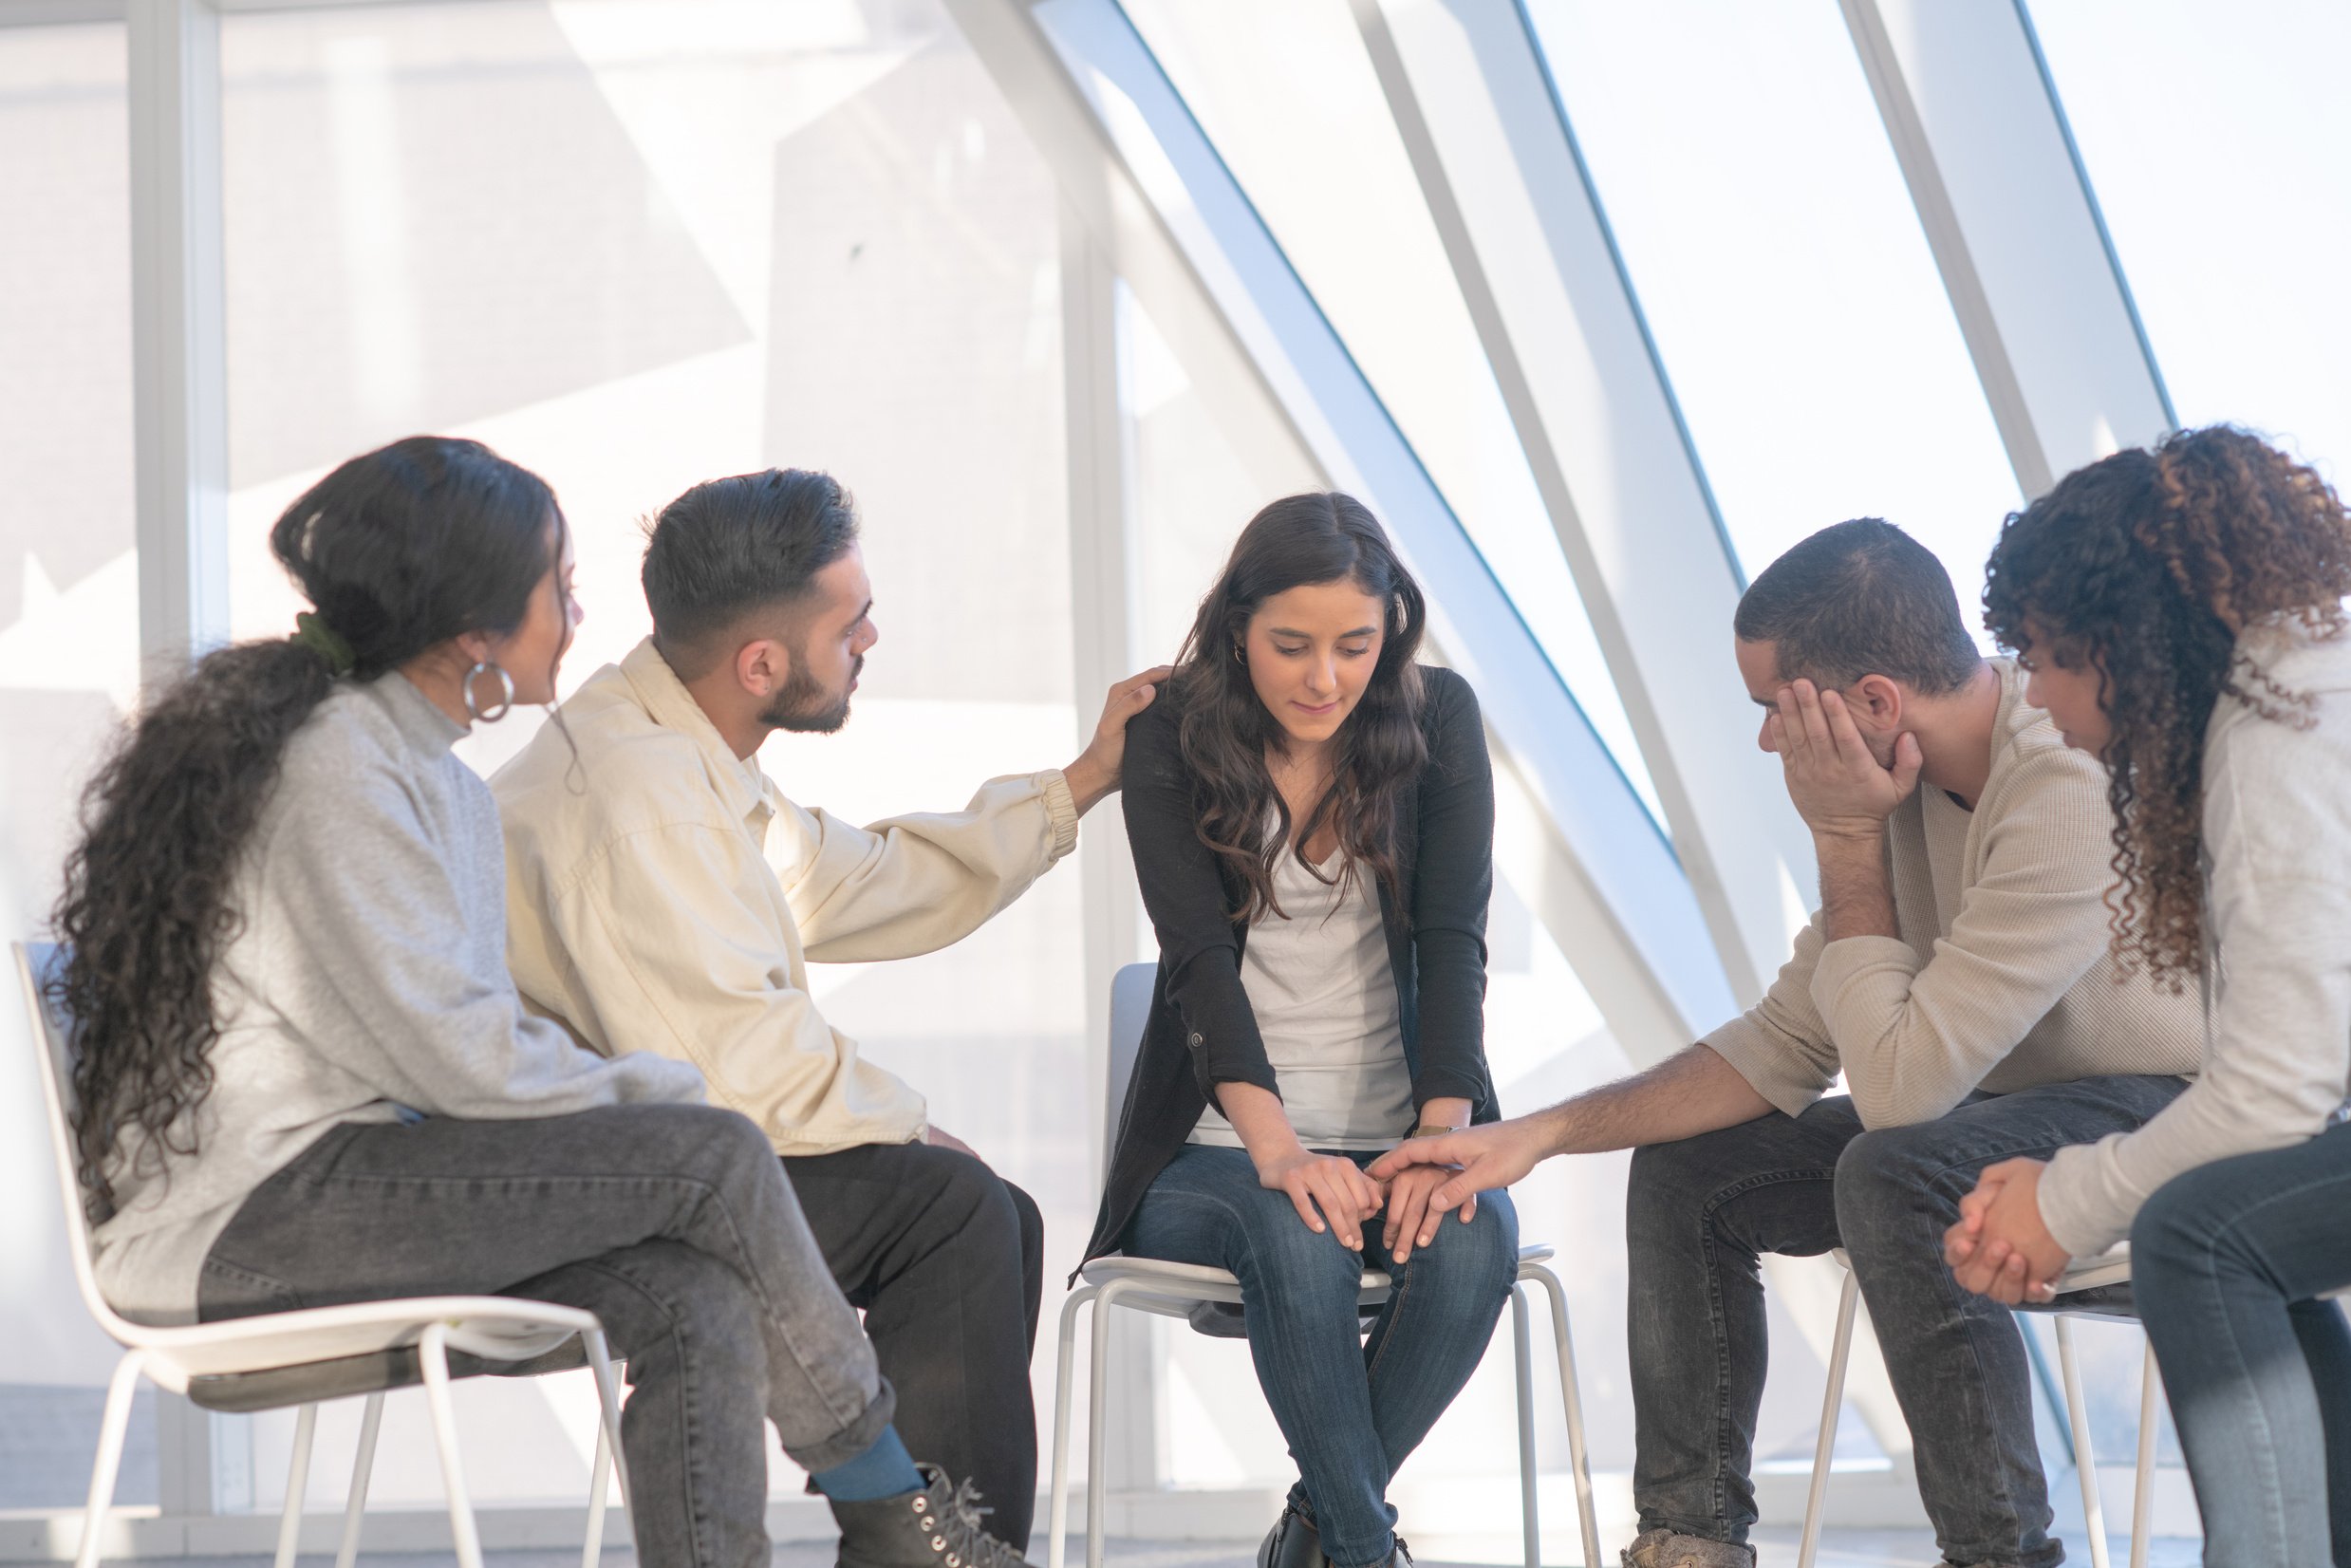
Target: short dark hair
pixel 729 547
pixel 1860 598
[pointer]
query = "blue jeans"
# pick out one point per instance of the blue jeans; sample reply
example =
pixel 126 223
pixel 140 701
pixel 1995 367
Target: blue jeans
pixel 1699 1214
pixel 2227 1264
pixel 1350 1411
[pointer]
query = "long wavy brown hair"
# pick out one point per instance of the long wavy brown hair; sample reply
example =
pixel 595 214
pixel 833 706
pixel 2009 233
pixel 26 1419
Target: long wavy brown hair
pixel 2147 566
pixel 1225 728
pixel 398 550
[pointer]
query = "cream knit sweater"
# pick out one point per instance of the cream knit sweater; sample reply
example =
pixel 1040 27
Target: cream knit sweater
pixel 2277 912
pixel 2002 979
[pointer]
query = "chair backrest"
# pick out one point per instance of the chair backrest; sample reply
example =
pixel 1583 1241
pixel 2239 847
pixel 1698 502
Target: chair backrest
pixel 52 1033
pixel 1131 1009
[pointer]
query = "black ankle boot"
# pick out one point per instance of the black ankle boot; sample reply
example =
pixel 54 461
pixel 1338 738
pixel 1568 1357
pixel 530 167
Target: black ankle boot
pixel 1293 1542
pixel 937 1527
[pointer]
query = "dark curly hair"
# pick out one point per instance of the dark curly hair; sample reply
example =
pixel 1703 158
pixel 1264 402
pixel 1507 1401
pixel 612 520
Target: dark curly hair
pixel 2146 566
pixel 1225 728
pixel 399 551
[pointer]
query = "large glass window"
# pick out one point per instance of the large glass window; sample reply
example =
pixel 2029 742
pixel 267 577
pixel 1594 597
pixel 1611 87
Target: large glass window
pixel 68 667
pixel 636 244
pixel 1775 253
pixel 2216 138
pixel 1299 118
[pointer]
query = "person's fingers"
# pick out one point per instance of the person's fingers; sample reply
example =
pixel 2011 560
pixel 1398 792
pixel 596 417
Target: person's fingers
pixel 1815 723
pixel 1296 1188
pixel 1972 1206
pixel 1789 729
pixel 1958 1245
pixel 1413 1152
pixel 1908 761
pixel 1844 735
pixel 1407 1214
pixel 1367 1194
pixel 1339 1206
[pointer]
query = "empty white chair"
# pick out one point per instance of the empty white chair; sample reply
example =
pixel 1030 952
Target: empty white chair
pixel 300 1358
pixel 1175 1290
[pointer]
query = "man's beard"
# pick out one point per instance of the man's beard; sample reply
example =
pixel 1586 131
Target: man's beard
pixel 805 706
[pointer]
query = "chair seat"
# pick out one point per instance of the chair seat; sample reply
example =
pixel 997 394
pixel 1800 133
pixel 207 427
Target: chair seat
pixel 1172 1290
pixel 488 1328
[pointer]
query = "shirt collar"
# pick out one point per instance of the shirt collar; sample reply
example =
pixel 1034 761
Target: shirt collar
pixel 740 781
pixel 420 722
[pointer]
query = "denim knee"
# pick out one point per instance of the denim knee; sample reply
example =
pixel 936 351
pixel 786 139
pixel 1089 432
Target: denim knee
pixel 1666 1187
pixel 1888 1175
pixel 1476 1257
pixel 2174 1235
pixel 1290 1269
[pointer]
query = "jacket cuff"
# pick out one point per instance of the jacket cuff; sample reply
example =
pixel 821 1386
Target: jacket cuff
pixel 1446 1083
pixel 2070 1205
pixel 1060 811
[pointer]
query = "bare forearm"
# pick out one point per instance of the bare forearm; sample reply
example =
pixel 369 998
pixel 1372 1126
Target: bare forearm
pixel 1088 782
pixel 1692 1092
pixel 1257 1116
pixel 1855 899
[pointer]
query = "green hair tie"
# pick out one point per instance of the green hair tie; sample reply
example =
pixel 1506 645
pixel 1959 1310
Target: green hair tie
pixel 323 640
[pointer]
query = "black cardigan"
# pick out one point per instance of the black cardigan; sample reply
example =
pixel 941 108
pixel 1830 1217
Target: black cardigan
pixel 1200 1031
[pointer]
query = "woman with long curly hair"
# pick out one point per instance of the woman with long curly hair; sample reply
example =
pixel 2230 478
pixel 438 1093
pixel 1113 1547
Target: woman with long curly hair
pixel 2181 610
pixel 1312 814
pixel 304 1077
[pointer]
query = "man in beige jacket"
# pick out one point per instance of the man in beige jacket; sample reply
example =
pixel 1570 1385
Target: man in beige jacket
pixel 664 895
pixel 1957 974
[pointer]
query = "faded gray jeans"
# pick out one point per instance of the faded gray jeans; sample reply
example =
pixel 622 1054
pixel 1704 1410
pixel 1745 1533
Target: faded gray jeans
pixel 1701 1212
pixel 673 1225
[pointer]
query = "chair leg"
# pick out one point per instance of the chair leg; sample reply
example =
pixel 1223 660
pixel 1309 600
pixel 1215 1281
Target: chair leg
pixel 297 1487
pixel 2142 1485
pixel 1097 1395
pixel 608 1402
pixel 1523 1355
pixel 362 1471
pixel 433 1351
pixel 111 1433
pixel 1832 1406
pixel 1057 1517
pixel 599 1482
pixel 2085 1462
pixel 610 1462
pixel 1578 1456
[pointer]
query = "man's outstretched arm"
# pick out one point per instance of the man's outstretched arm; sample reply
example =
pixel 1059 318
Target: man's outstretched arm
pixel 1691 1091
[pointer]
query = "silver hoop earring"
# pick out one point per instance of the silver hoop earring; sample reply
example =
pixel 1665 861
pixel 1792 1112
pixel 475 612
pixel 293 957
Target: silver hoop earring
pixel 506 692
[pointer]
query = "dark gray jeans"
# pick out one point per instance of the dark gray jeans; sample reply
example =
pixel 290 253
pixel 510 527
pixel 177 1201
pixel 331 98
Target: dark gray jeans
pixel 947 1261
pixel 673 1225
pixel 1701 1212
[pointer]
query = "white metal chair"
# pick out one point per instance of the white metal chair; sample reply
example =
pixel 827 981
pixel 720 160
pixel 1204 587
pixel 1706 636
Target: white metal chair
pixel 278 1359
pixel 1178 1290
pixel 2114 1268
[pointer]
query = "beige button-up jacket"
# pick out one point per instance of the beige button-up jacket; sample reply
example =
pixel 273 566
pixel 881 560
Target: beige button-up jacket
pixel 664 895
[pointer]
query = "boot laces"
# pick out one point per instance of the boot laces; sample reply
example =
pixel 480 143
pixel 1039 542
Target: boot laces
pixel 960 1540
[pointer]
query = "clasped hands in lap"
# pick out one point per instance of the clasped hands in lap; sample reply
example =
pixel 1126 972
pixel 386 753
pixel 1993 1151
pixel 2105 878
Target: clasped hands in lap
pixel 1334 1194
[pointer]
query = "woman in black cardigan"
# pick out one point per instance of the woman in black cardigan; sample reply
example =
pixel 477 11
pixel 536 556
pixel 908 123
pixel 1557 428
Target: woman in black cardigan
pixel 1312 814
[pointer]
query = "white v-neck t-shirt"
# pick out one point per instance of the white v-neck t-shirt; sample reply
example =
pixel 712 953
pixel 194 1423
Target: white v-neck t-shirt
pixel 1324 994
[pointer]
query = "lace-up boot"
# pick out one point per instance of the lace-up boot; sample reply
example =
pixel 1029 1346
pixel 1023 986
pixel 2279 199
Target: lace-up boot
pixel 937 1527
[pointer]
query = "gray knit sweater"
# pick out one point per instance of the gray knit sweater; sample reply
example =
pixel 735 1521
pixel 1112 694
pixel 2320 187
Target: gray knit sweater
pixel 369 975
